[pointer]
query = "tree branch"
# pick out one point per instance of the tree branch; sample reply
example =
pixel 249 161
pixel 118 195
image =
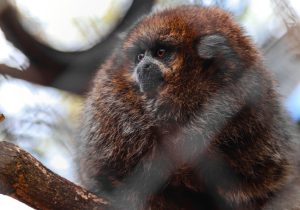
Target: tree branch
pixel 2 117
pixel 27 180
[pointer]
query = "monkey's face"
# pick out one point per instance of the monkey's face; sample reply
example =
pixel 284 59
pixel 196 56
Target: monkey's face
pixel 152 65
pixel 152 61
pixel 157 49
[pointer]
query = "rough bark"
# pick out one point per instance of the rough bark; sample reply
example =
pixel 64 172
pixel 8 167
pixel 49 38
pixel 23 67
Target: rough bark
pixel 27 180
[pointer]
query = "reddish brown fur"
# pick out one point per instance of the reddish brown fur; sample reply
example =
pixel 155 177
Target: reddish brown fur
pixel 211 138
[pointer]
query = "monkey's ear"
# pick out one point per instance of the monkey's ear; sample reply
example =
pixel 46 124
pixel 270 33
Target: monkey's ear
pixel 211 46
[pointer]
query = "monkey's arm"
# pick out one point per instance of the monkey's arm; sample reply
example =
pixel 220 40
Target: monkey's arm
pixel 288 198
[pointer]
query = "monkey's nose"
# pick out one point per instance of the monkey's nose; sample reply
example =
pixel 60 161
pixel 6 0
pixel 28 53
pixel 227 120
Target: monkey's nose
pixel 145 68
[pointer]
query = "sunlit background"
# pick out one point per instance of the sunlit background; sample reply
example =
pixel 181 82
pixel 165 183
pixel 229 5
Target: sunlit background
pixel 42 114
pixel 71 25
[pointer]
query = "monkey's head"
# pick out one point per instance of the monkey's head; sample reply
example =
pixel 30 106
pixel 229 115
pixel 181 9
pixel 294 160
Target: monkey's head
pixel 181 55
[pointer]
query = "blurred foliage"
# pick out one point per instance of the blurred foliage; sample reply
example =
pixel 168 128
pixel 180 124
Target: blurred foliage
pixel 41 120
pixel 82 24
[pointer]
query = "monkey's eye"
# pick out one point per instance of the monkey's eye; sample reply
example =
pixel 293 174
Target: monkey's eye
pixel 140 57
pixel 160 53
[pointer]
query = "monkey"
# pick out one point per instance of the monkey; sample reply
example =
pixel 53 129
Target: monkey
pixel 184 115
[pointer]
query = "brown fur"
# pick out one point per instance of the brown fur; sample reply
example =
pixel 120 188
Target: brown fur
pixel 211 137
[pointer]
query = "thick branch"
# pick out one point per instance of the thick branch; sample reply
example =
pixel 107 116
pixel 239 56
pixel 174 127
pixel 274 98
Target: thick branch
pixel 26 179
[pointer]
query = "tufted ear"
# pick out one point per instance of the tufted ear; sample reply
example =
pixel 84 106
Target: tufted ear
pixel 213 45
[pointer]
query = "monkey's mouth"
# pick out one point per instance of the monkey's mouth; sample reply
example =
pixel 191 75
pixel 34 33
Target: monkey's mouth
pixel 148 86
pixel 149 79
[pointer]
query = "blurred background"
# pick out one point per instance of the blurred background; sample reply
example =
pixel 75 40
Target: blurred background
pixel 50 49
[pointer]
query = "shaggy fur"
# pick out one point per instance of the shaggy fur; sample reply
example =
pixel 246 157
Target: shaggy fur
pixel 210 136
